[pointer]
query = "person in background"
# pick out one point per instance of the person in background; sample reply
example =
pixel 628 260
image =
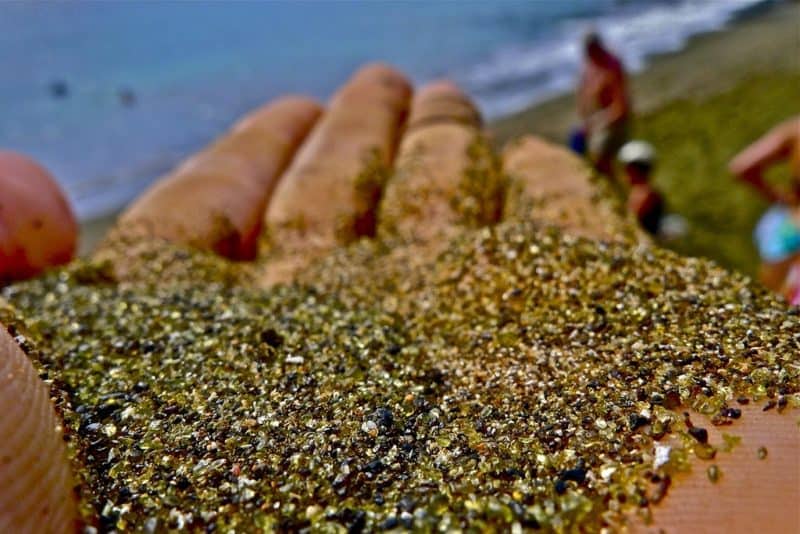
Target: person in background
pixel 644 201
pixel 647 204
pixel 777 234
pixel 603 103
pixel 37 226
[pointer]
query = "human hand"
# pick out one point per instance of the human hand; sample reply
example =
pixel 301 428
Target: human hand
pixel 549 294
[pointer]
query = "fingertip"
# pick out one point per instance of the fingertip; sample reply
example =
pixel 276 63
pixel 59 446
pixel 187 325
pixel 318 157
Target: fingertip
pixel 380 72
pixel 427 196
pixel 375 80
pixel 443 87
pixel 298 101
pixel 443 100
pixel 293 107
pixel 38 228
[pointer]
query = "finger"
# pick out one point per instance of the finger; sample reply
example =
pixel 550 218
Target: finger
pixel 37 226
pixel 329 194
pixel 215 200
pixel 552 186
pixel 445 173
pixel 750 494
pixel 35 483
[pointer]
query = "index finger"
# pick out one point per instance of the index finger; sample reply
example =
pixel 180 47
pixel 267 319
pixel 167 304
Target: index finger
pixel 214 200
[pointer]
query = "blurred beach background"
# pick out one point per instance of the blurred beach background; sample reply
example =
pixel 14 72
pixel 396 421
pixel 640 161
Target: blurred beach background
pixel 111 95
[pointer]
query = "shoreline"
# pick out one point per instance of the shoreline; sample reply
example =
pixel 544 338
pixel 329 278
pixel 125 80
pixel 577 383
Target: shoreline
pixel 763 42
pixel 755 44
pixel 93 230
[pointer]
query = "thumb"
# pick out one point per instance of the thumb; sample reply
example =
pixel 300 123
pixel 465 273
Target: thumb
pixel 35 482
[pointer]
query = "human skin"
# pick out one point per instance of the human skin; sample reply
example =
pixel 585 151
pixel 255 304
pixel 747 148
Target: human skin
pixel 602 89
pixel 430 166
pixel 602 96
pixel 325 199
pixel 216 198
pixel 553 187
pixel 782 143
pixel 37 227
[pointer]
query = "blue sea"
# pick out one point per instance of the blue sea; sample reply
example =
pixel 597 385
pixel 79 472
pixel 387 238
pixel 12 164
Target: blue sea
pixel 110 95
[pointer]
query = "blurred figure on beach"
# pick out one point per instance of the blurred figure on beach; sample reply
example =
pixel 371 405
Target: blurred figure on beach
pixel 37 226
pixel 645 202
pixel 777 234
pixel 604 105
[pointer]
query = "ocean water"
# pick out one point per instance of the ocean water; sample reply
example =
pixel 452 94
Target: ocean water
pixel 189 69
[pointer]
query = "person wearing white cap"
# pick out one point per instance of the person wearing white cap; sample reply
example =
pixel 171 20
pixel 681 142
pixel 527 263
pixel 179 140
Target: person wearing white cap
pixel 647 204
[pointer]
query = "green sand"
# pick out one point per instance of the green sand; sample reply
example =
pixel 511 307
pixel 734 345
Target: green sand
pixel 520 379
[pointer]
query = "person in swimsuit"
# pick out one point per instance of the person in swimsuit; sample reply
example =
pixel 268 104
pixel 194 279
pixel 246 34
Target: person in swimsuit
pixel 603 103
pixel 777 233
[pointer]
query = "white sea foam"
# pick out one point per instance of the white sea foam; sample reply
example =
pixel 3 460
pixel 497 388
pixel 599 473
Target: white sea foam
pixel 519 75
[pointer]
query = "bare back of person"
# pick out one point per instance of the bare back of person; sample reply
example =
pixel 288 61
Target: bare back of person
pixel 602 84
pixel 603 104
